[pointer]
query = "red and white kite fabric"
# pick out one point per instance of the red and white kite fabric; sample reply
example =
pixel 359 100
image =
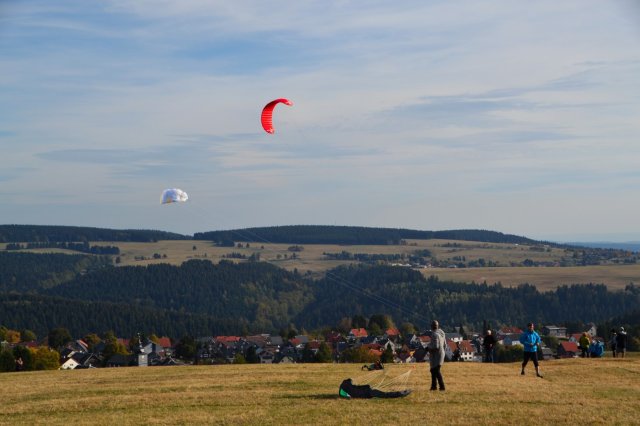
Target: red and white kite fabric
pixel 267 113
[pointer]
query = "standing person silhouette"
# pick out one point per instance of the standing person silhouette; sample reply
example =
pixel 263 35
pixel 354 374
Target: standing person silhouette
pixel 488 342
pixel 530 340
pixel 621 342
pixel 613 342
pixel 436 355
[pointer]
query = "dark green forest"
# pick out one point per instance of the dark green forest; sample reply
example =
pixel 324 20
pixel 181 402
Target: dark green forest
pixel 407 295
pixel 85 294
pixel 28 272
pixel 350 235
pixel 52 233
pixel 41 314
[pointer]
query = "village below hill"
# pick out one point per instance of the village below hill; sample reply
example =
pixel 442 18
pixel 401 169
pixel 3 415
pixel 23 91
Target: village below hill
pixel 357 346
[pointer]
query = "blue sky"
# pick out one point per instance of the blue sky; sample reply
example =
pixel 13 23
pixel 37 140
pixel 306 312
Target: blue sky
pixel 514 116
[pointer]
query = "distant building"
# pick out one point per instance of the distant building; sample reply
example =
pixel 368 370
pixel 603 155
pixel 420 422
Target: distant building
pixel 554 331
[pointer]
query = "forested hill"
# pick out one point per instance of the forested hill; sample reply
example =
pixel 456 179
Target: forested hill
pixel 407 295
pixel 40 314
pixel 290 234
pixel 52 233
pixel 351 235
pixel 84 294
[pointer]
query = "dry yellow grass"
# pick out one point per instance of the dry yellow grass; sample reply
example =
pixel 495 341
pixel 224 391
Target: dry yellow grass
pixel 575 391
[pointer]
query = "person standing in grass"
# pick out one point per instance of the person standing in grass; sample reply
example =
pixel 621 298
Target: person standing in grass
pixel 584 344
pixel 621 342
pixel 613 342
pixel 436 355
pixel 530 340
pixel 489 343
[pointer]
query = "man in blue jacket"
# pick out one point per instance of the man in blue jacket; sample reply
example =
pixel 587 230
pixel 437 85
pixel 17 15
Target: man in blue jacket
pixel 530 340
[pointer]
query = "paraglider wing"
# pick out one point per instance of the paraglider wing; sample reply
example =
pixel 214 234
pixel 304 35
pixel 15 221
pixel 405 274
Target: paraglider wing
pixel 267 113
pixel 349 390
pixel 173 195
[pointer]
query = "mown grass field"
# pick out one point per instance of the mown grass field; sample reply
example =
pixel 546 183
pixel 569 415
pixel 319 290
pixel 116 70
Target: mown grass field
pixel 574 391
pixel 311 259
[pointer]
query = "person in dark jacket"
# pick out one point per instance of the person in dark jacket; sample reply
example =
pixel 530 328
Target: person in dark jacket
pixel 530 340
pixel 621 342
pixel 488 343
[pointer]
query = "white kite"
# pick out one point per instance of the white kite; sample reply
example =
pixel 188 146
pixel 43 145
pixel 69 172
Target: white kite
pixel 173 195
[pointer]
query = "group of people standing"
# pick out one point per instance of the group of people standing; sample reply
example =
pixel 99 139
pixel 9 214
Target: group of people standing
pixel 530 340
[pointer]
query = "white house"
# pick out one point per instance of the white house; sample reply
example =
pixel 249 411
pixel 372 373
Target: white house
pixel 69 363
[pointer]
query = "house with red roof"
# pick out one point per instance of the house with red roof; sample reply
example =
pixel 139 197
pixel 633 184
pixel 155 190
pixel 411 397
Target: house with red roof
pixel 227 339
pixel 568 350
pixel 425 340
pixel 165 342
pixel 358 333
pixel 575 337
pixel 509 333
pixel 392 334
pixel 465 347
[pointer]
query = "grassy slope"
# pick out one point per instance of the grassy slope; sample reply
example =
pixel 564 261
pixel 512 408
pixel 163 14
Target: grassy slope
pixel 584 391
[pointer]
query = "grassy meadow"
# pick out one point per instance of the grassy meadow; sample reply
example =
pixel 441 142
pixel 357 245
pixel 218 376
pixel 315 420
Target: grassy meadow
pixel 615 277
pixel 573 391
pixel 311 259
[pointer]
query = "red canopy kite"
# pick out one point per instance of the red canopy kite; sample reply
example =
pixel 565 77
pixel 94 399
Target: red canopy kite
pixel 267 113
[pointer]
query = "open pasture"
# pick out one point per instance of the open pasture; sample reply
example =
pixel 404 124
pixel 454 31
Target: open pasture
pixel 311 259
pixel 573 391
pixel 615 277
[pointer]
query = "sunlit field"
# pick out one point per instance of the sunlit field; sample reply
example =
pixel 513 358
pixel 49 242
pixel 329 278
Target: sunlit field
pixel 574 391
pixel 615 277
pixel 312 260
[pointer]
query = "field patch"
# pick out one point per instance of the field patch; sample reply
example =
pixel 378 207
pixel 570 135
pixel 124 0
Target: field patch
pixel 608 391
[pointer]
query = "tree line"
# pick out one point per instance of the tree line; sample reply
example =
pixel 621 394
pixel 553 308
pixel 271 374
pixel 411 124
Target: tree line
pixel 83 247
pixel 86 293
pixel 51 233
pixel 353 235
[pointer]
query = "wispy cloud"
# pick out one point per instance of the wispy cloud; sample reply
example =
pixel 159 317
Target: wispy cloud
pixel 402 114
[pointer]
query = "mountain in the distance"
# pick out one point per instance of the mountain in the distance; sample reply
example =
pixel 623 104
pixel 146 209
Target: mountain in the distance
pixel 55 233
pixel 627 246
pixel 352 235
pixel 289 234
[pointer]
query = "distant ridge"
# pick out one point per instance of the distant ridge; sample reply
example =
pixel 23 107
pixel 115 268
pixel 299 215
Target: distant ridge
pixel 629 246
pixel 54 233
pixel 352 235
pixel 288 234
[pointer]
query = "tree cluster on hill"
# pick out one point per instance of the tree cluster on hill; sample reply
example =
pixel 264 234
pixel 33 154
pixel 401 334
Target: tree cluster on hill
pixel 352 235
pixel 46 233
pixel 83 247
pixel 421 256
